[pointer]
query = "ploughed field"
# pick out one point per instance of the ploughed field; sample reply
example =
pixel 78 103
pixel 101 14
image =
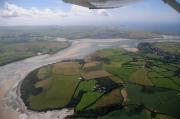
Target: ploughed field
pixel 110 84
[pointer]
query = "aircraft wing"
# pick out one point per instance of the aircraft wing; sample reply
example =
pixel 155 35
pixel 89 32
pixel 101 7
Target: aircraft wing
pixel 174 4
pixel 107 4
pixel 101 4
pixel 84 3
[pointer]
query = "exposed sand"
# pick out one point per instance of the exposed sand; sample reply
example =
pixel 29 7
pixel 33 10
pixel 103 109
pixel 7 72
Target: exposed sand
pixel 131 49
pixel 5 87
pixel 8 113
pixel 60 39
pixel 11 76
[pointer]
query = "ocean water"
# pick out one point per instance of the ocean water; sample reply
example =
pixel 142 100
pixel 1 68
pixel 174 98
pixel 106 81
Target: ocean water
pixel 155 27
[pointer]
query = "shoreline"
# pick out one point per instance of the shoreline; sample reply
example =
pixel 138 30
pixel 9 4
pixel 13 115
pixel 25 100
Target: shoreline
pixel 24 58
pixel 17 71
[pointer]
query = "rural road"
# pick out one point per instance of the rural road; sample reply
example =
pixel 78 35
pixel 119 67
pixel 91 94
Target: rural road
pixel 11 75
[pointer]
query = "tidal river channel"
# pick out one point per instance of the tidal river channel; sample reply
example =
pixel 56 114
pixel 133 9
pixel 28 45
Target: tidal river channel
pixel 11 75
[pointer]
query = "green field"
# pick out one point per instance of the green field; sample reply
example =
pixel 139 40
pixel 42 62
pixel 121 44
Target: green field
pixel 176 80
pixel 163 75
pixel 165 83
pixel 129 113
pixel 141 77
pixel 109 84
pixel 112 98
pixel 58 95
pixel 14 51
pixel 161 100
pixel 87 100
pixel 171 47
pixel 161 116
pixel 53 94
pixel 85 86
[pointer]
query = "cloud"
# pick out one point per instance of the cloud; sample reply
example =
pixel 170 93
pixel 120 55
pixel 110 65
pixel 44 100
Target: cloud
pixel 103 12
pixel 11 14
pixel 145 15
pixel 80 11
pixel 12 11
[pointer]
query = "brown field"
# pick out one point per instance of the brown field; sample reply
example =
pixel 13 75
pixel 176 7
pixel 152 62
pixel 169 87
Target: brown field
pixel 67 68
pixel 142 34
pixel 88 59
pixel 104 53
pixel 112 98
pixel 113 65
pixel 92 66
pixel 116 80
pixel 44 72
pixel 95 74
pixel 91 58
pixel 42 84
pixel 138 63
pixel 140 77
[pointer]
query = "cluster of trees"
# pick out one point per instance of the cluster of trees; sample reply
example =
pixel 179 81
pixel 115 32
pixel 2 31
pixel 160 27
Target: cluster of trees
pixel 148 48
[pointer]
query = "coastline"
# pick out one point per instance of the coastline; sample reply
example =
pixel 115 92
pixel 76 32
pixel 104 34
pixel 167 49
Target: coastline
pixel 24 58
pixel 17 71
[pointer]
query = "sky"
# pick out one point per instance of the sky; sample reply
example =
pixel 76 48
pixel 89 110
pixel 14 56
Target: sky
pixel 56 12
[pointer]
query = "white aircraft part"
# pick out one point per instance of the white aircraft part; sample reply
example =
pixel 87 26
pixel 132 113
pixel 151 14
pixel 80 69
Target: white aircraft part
pixel 105 4
pixel 100 4
pixel 111 3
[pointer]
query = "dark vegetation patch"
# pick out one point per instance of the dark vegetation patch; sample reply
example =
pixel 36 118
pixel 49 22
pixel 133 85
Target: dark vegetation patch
pixel 107 83
pixel 159 99
pixel 28 88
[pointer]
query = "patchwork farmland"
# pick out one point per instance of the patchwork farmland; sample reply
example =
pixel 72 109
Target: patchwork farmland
pixel 109 84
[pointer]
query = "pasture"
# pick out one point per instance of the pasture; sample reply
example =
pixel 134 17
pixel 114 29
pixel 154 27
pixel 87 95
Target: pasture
pixel 165 83
pixel 85 86
pixel 44 72
pixel 159 99
pixel 58 95
pixel 171 47
pixel 87 100
pixel 140 87
pixel 67 68
pixel 140 77
pixel 112 98
pixel 95 74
